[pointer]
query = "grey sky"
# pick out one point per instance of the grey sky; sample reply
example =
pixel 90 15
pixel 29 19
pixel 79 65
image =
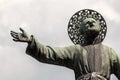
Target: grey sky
pixel 47 20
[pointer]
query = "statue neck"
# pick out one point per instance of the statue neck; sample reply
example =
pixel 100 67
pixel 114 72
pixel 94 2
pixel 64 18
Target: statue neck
pixel 90 39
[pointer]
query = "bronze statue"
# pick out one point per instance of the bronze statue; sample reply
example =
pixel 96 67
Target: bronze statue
pixel 89 58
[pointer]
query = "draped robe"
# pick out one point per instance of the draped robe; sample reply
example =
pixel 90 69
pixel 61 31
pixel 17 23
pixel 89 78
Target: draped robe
pixel 83 60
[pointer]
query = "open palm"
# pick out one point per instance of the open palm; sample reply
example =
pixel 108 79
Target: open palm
pixel 20 37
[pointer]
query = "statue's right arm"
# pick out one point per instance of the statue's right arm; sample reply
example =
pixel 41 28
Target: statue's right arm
pixel 63 56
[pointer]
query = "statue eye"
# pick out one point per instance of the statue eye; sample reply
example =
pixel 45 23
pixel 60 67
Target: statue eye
pixel 88 23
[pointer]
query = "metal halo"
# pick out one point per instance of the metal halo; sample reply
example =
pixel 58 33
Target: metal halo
pixel 77 19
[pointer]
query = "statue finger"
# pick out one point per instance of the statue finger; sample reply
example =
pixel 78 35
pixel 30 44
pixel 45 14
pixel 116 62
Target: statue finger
pixel 24 32
pixel 13 32
pixel 15 35
pixel 16 40
pixel 21 30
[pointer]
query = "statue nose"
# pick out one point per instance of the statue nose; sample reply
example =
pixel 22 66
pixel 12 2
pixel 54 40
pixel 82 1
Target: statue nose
pixel 91 24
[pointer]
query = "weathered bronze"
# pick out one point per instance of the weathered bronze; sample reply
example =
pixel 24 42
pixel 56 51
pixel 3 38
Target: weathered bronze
pixel 89 58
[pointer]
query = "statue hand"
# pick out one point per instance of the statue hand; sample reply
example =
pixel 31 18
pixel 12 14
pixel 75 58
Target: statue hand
pixel 20 37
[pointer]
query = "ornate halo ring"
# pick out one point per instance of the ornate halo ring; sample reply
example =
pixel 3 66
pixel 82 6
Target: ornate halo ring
pixel 76 20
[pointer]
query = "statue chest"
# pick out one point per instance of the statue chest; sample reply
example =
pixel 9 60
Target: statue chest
pixel 93 58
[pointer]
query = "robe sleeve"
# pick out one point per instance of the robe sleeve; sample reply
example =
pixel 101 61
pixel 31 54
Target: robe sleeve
pixel 63 56
pixel 115 62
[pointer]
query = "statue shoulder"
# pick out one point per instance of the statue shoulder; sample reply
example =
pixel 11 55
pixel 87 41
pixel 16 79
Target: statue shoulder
pixel 107 48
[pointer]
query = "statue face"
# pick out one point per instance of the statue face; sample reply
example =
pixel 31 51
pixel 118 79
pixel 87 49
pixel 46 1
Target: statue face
pixel 90 26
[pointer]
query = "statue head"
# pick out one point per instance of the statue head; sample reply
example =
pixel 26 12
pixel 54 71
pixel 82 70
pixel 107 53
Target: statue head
pixel 90 27
pixel 87 27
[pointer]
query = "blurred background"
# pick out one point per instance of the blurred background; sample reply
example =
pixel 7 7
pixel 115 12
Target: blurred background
pixel 48 21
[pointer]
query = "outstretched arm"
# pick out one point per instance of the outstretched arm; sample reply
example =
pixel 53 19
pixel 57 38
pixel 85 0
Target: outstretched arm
pixel 46 54
pixel 63 56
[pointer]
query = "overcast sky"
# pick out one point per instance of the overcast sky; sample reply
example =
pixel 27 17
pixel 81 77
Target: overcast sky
pixel 47 20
